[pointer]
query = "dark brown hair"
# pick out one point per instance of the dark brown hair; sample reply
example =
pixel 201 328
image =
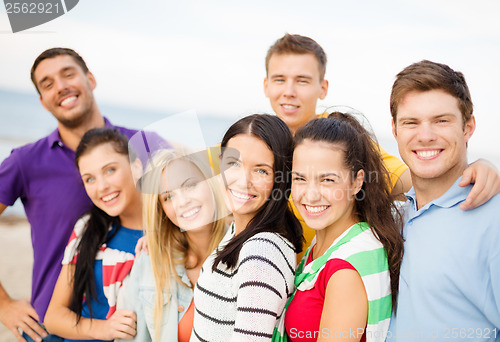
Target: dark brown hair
pixel 375 205
pixel 275 215
pixel 54 52
pixel 426 75
pixel 97 231
pixel 299 45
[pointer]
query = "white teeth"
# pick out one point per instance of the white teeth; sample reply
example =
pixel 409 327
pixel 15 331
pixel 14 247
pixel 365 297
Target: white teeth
pixel 110 197
pixel 191 212
pixel 317 209
pixel 68 100
pixel 289 106
pixel 240 195
pixel 427 154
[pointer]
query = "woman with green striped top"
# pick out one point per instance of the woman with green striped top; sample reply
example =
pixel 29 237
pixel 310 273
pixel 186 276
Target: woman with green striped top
pixel 347 281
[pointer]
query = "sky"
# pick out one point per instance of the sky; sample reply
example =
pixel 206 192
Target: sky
pixel 208 56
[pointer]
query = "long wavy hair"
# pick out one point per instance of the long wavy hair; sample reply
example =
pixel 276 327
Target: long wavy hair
pixel 168 245
pixel 96 232
pixel 275 215
pixel 376 205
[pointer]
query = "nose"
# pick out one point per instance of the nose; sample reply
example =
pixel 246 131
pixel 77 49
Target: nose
pixel 426 132
pixel 102 184
pixel 60 84
pixel 312 193
pixel 289 89
pixel 181 198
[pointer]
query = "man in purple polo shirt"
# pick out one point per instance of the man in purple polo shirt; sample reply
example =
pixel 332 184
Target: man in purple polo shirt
pixel 43 174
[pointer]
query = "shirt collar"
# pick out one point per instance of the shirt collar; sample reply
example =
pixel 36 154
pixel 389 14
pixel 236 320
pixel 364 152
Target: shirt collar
pixel 54 137
pixel 454 195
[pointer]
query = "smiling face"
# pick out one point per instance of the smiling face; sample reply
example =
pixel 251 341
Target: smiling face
pixel 247 170
pixel 322 186
pixel 109 182
pixel 66 90
pixel 432 137
pixel 293 87
pixel 188 200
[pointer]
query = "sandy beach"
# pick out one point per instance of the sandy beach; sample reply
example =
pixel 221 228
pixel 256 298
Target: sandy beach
pixel 16 261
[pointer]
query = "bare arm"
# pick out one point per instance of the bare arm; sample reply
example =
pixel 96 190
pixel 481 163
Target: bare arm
pixel 484 176
pixel 402 185
pixel 19 314
pixel 345 311
pixel 60 320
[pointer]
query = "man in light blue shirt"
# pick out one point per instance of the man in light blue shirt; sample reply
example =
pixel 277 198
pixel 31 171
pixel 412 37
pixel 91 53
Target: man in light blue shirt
pixel 449 287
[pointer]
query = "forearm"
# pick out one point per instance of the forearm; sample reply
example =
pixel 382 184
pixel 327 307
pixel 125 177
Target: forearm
pixel 62 321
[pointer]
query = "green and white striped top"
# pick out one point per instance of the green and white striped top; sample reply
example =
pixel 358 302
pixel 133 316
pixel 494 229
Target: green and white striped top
pixel 358 246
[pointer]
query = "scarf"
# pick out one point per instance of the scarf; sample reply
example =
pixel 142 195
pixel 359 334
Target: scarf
pixel 116 264
pixel 358 246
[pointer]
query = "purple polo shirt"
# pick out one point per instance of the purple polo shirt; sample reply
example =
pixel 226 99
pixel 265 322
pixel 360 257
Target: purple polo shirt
pixel 43 174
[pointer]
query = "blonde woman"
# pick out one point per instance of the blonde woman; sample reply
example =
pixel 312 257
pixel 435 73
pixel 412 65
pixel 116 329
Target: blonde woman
pixel 184 221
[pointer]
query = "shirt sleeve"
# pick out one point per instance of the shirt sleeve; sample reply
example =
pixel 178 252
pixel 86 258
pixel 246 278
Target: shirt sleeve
pixel 132 300
pixel 265 279
pixel 394 165
pixel 11 179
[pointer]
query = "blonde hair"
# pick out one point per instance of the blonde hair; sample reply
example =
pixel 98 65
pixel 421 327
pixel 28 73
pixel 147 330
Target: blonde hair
pixel 168 246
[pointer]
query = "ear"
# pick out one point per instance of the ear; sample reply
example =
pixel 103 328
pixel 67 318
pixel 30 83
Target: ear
pixel 394 132
pixel 324 89
pixel 92 81
pixel 266 90
pixel 358 181
pixel 469 128
pixel 137 171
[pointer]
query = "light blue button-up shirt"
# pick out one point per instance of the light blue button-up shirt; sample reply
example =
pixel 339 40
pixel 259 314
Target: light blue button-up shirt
pixel 140 297
pixel 449 287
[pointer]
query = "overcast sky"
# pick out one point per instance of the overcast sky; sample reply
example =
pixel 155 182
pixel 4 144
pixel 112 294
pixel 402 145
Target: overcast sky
pixel 209 55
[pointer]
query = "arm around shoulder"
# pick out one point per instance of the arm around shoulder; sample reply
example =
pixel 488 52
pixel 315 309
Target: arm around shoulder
pixel 484 175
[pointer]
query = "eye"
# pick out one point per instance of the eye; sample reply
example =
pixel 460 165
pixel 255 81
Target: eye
pixel 303 82
pixel 443 121
pixel 298 179
pixel 89 180
pixel 328 180
pixel 110 170
pixel 47 85
pixel 166 196
pixel 262 172
pixel 69 74
pixel 409 123
pixel 279 80
pixel 191 186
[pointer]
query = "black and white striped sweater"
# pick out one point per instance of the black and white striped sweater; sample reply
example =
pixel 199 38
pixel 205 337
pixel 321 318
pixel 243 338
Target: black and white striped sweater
pixel 244 303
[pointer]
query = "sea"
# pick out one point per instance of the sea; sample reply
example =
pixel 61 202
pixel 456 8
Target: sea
pixel 24 120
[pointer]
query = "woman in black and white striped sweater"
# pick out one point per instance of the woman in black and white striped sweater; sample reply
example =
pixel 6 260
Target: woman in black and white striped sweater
pixel 245 284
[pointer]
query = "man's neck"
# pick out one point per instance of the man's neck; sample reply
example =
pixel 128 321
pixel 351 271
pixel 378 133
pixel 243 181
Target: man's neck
pixel 296 128
pixel 429 189
pixel 71 136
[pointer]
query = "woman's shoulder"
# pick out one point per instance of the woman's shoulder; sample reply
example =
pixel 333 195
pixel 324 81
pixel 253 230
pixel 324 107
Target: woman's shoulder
pixel 269 240
pixel 270 246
